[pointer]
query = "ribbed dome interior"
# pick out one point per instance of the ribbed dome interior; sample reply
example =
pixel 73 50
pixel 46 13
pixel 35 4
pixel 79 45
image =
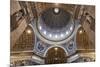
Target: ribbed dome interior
pixel 55 20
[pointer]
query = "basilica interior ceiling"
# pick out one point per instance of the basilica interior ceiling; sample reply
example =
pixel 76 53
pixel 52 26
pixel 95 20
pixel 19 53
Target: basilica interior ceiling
pixel 51 33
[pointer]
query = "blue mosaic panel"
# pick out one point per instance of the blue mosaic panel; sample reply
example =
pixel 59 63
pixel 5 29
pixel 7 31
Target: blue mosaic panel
pixel 41 46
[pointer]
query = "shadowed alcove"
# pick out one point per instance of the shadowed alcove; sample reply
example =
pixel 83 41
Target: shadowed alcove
pixel 55 55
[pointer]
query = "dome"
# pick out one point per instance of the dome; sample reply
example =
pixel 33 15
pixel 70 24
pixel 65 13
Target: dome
pixel 55 24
